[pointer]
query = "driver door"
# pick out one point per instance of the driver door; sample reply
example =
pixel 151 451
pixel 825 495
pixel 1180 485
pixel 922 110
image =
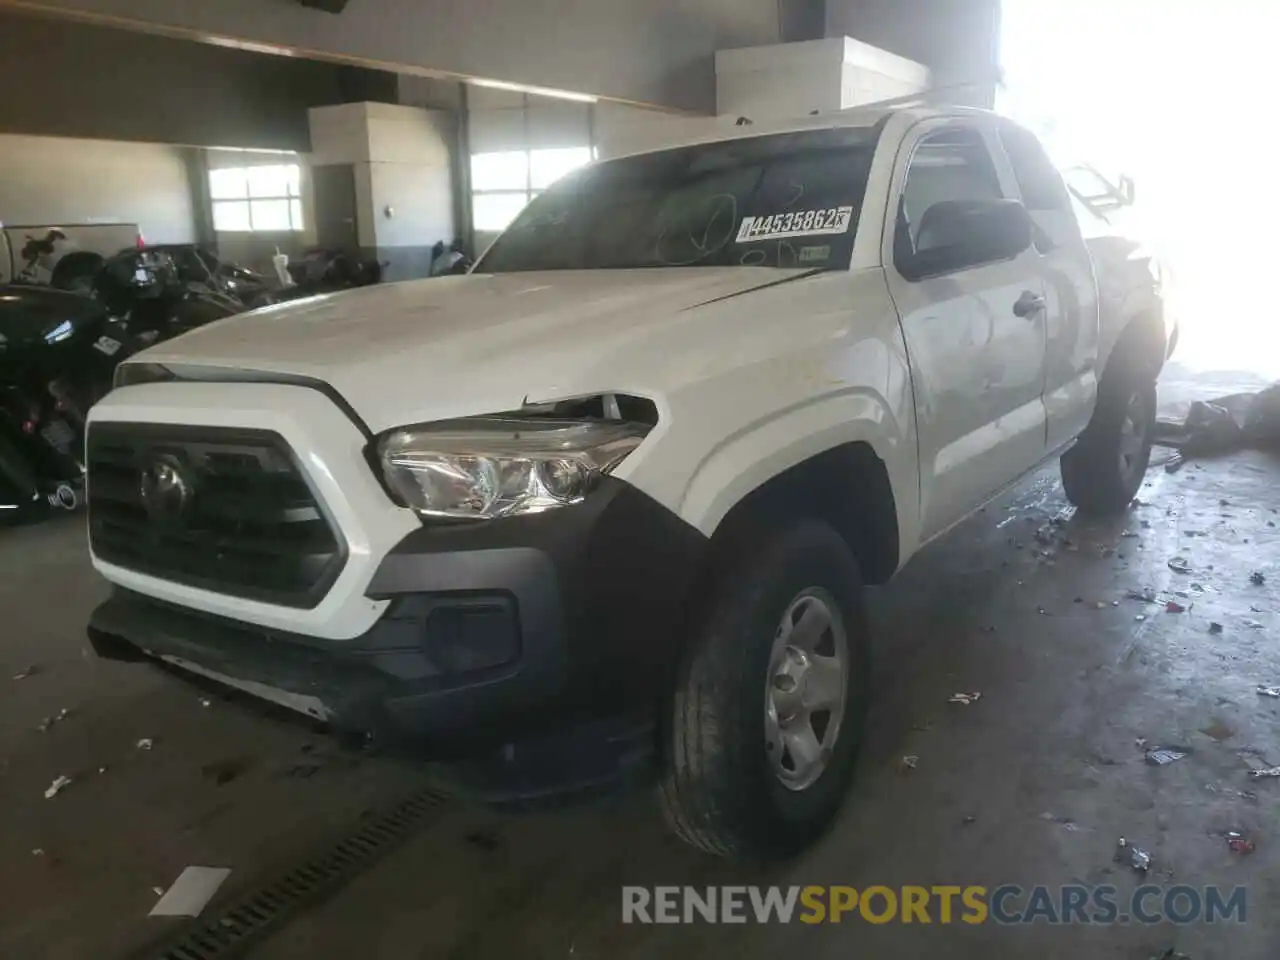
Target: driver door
pixel 975 336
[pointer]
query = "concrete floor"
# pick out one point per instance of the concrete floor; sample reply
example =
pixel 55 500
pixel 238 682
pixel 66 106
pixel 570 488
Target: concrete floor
pixel 1068 687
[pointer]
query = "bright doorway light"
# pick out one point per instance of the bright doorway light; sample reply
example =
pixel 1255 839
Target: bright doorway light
pixel 1176 93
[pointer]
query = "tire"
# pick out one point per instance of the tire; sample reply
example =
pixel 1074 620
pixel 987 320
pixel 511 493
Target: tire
pixel 1104 470
pixel 724 789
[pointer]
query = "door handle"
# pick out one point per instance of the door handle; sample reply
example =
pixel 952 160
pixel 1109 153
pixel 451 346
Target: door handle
pixel 1028 305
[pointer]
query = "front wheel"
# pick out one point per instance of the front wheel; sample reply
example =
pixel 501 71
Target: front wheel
pixel 1104 470
pixel 770 701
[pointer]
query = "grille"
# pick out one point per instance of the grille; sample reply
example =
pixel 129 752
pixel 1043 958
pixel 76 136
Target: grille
pixel 245 522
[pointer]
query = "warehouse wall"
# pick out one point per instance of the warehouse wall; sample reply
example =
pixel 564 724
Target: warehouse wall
pixel 957 39
pixel 47 180
pixel 72 79
pixel 402 160
pixel 656 52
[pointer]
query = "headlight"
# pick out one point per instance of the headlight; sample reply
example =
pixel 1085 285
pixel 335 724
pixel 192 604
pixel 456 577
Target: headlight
pixel 497 467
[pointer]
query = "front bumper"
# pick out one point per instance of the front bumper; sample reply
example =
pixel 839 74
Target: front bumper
pixel 493 631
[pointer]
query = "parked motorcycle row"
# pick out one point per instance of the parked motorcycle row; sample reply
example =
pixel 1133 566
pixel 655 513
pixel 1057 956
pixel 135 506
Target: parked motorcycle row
pixel 59 347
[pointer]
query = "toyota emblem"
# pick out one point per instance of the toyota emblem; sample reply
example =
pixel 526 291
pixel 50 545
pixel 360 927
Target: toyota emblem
pixel 166 492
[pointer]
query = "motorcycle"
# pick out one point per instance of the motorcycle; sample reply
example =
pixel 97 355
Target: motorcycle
pixel 58 352
pixel 155 296
pixel 324 270
pixel 205 274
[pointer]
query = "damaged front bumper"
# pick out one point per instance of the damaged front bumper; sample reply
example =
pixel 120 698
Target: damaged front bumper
pixel 495 631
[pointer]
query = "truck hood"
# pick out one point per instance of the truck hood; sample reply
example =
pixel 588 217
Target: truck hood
pixel 466 345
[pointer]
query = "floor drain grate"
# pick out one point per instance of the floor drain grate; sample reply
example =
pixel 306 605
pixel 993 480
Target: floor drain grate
pixel 255 915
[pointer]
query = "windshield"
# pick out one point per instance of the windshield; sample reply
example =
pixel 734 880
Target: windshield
pixel 784 200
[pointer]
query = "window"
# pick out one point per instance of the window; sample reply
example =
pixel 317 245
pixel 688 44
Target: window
pixel 950 165
pixel 503 183
pixel 951 188
pixel 783 200
pixel 257 199
pixel 1038 180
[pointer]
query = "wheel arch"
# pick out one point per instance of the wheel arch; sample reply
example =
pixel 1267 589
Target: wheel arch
pixel 847 485
pixel 1142 341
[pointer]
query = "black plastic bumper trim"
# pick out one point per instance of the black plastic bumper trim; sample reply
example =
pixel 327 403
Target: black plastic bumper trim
pixel 597 593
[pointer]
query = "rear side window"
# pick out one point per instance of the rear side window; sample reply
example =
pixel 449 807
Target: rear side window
pixel 1038 180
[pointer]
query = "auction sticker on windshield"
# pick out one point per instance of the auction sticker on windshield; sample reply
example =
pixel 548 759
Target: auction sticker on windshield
pixel 796 223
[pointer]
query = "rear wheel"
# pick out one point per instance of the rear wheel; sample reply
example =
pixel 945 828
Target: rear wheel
pixel 770 701
pixel 1104 470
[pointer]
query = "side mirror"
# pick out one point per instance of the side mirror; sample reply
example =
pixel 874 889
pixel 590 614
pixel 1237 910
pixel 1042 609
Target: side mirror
pixel 955 234
pixel 1128 190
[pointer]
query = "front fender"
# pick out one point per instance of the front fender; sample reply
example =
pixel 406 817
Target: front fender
pixel 758 453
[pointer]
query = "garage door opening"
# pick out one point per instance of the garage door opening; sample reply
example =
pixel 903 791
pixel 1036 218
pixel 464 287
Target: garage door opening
pixel 1176 94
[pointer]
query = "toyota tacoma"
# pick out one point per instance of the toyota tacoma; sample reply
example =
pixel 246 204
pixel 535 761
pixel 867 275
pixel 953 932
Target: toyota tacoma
pixel 605 506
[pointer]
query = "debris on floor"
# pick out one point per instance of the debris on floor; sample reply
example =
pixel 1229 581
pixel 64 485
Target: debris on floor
pixel 1264 691
pixel 191 892
pixel 1262 774
pixel 1228 423
pixel 1218 730
pixel 1171 954
pixel 908 762
pixel 222 772
pixel 146 743
pixel 55 788
pixel 30 671
pixel 1173 606
pixel 1066 823
pixel 1179 565
pixel 1215 627
pixel 1254 625
pixel 1146 594
pixel 965 698
pixel 1135 857
pixel 1162 756
pixel 58 717
pixel 1239 843
pixel 1257 578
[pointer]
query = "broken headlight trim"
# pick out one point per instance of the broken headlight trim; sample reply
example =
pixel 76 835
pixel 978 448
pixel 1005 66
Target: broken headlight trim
pixel 489 467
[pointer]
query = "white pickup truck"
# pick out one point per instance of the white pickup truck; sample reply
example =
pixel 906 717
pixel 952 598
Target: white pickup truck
pixel 606 505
